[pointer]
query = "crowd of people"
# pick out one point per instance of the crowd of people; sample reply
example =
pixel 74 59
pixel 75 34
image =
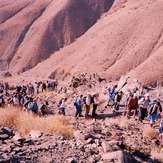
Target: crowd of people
pixel 140 106
pixel 25 96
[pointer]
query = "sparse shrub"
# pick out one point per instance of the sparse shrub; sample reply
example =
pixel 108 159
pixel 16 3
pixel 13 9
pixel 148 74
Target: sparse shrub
pixel 24 122
pixel 122 122
pixel 151 133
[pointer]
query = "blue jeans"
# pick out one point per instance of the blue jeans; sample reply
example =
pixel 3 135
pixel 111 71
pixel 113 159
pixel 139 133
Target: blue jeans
pixel 78 110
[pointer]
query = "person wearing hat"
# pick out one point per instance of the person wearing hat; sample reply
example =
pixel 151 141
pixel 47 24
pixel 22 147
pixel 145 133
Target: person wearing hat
pixel 132 104
pixel 154 112
pixel 143 109
pixel 117 100
pixel 87 105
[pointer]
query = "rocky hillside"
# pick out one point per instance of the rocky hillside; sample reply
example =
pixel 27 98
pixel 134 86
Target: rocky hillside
pixel 126 40
pixel 32 30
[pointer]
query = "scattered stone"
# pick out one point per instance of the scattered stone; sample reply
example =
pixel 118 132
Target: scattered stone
pixel 35 134
pixel 2 159
pixel 8 131
pixel 90 141
pixel 4 136
pixel 118 157
pixel 18 137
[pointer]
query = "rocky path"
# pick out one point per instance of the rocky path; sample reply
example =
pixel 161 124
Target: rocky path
pixel 101 140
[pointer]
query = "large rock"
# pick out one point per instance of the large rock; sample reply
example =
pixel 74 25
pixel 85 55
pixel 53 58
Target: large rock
pixel 4 136
pixel 79 136
pixel 8 131
pixel 35 134
pixel 2 159
pixel 118 157
pixel 18 137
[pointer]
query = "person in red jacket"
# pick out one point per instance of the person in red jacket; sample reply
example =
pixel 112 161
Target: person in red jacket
pixel 132 105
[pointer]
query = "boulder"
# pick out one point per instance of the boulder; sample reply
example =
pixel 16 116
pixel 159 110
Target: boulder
pixel 118 157
pixel 35 134
pixel 18 137
pixel 4 136
pixel 79 136
pixel 2 159
pixel 8 131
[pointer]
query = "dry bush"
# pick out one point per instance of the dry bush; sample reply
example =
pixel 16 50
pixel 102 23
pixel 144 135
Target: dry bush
pixel 151 133
pixel 25 122
pixel 122 122
pixel 157 156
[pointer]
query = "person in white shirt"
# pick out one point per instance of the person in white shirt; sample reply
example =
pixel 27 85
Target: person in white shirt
pixel 63 106
pixel 16 100
pixel 87 104
pixel 144 107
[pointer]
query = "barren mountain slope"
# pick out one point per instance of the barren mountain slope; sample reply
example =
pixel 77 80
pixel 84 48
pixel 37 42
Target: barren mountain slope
pixel 126 40
pixel 31 30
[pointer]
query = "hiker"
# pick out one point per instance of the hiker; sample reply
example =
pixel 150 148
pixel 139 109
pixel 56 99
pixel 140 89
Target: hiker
pixel 16 100
pixel 44 108
pixel 143 112
pixel 43 87
pixel 56 85
pixel 111 94
pixel 52 86
pixel 87 104
pixel 34 106
pixel 63 106
pixel 2 102
pixel 161 124
pixel 132 104
pixel 154 112
pixel 6 88
pixel 37 87
pixel 117 100
pixel 24 89
pixel 96 102
pixel 18 89
pixel 78 104
pixel 26 102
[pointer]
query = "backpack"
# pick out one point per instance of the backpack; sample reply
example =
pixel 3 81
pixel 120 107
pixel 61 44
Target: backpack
pixel 75 103
pixel 35 107
pixel 30 106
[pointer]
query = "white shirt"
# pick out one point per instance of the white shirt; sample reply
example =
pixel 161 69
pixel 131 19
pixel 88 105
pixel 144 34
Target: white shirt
pixel 16 101
pixel 63 104
pixel 88 100
pixel 96 100
pixel 146 103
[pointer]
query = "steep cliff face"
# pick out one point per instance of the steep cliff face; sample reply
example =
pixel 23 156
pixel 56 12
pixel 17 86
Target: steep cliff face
pixel 32 30
pixel 125 41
